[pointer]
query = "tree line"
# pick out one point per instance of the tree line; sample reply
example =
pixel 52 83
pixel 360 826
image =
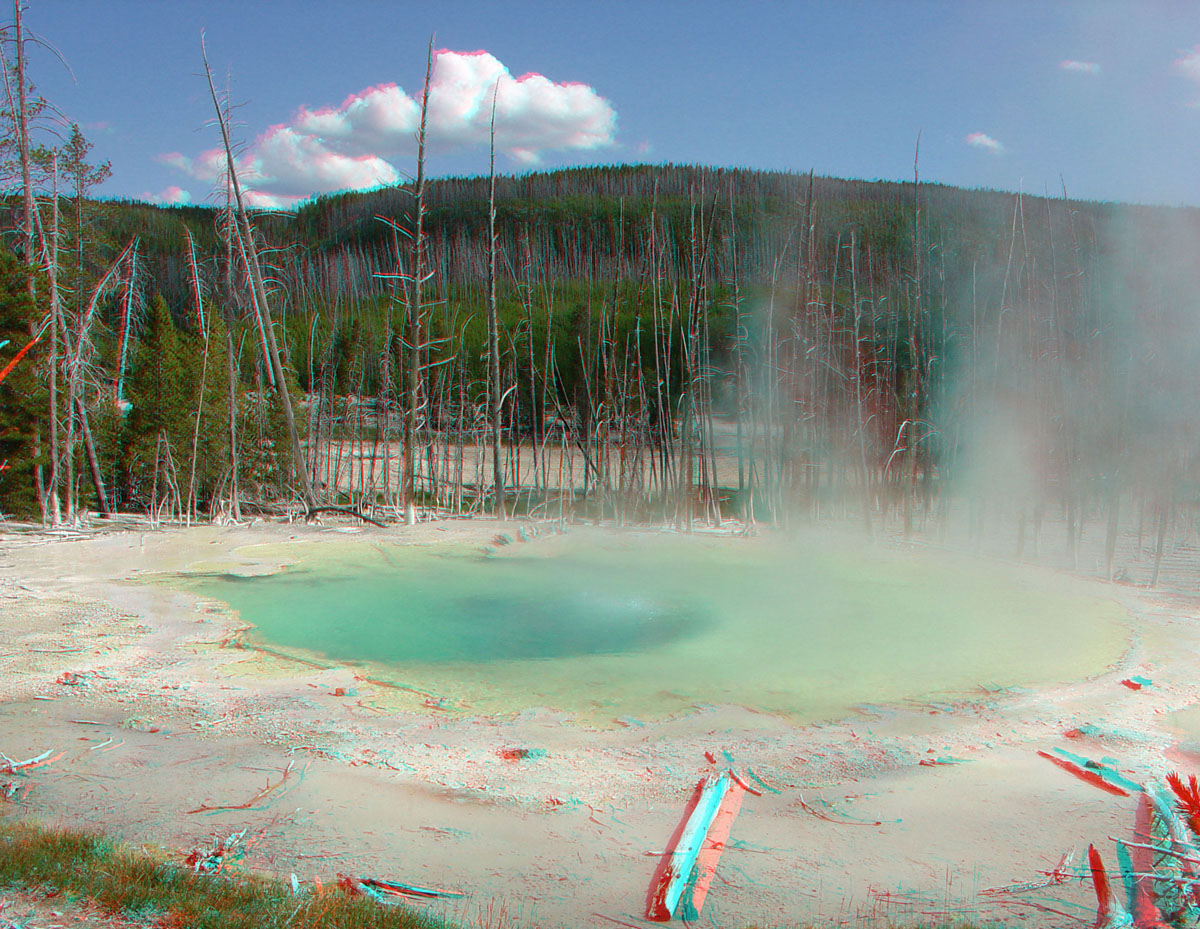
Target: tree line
pixel 641 343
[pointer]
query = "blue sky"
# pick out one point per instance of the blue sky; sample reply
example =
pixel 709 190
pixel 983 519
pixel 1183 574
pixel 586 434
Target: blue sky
pixel 843 88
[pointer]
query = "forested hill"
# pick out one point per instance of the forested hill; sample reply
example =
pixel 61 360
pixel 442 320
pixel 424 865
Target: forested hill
pixel 596 223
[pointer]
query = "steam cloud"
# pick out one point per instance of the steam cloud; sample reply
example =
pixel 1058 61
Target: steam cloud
pixel 352 146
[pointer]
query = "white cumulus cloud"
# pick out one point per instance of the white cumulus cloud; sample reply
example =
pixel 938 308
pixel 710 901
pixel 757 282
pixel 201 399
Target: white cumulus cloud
pixel 986 142
pixel 294 163
pixel 358 143
pixel 1079 67
pixel 173 196
pixel 1188 64
pixel 370 119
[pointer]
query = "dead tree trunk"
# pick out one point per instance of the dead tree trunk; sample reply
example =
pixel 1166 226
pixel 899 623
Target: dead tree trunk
pixel 494 326
pixel 244 230
pixel 416 297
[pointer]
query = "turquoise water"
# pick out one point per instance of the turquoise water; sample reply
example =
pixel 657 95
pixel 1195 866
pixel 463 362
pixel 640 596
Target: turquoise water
pixel 604 626
pixel 437 606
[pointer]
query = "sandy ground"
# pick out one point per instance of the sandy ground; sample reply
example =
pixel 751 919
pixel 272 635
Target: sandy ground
pixel 162 723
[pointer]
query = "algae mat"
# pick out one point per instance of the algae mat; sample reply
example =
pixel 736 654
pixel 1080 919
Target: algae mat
pixel 607 627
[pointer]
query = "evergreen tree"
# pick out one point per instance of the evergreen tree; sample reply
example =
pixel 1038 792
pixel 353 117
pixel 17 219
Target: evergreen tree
pixel 264 446
pixel 160 390
pixel 82 177
pixel 209 416
pixel 22 396
pixel 87 241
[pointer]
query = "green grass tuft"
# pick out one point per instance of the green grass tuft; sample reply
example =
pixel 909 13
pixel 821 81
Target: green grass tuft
pixel 134 883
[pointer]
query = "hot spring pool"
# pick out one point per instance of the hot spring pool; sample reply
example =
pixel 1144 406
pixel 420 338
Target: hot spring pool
pixel 605 626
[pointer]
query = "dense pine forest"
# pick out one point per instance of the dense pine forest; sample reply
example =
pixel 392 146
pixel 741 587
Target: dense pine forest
pixel 671 344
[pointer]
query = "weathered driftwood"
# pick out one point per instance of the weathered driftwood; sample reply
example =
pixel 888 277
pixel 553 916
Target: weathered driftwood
pixel 9 766
pixel 209 808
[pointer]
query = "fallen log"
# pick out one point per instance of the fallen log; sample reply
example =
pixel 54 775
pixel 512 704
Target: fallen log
pixel 675 869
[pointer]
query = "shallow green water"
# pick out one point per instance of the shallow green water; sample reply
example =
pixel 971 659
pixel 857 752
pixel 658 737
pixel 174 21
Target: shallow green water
pixel 606 626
